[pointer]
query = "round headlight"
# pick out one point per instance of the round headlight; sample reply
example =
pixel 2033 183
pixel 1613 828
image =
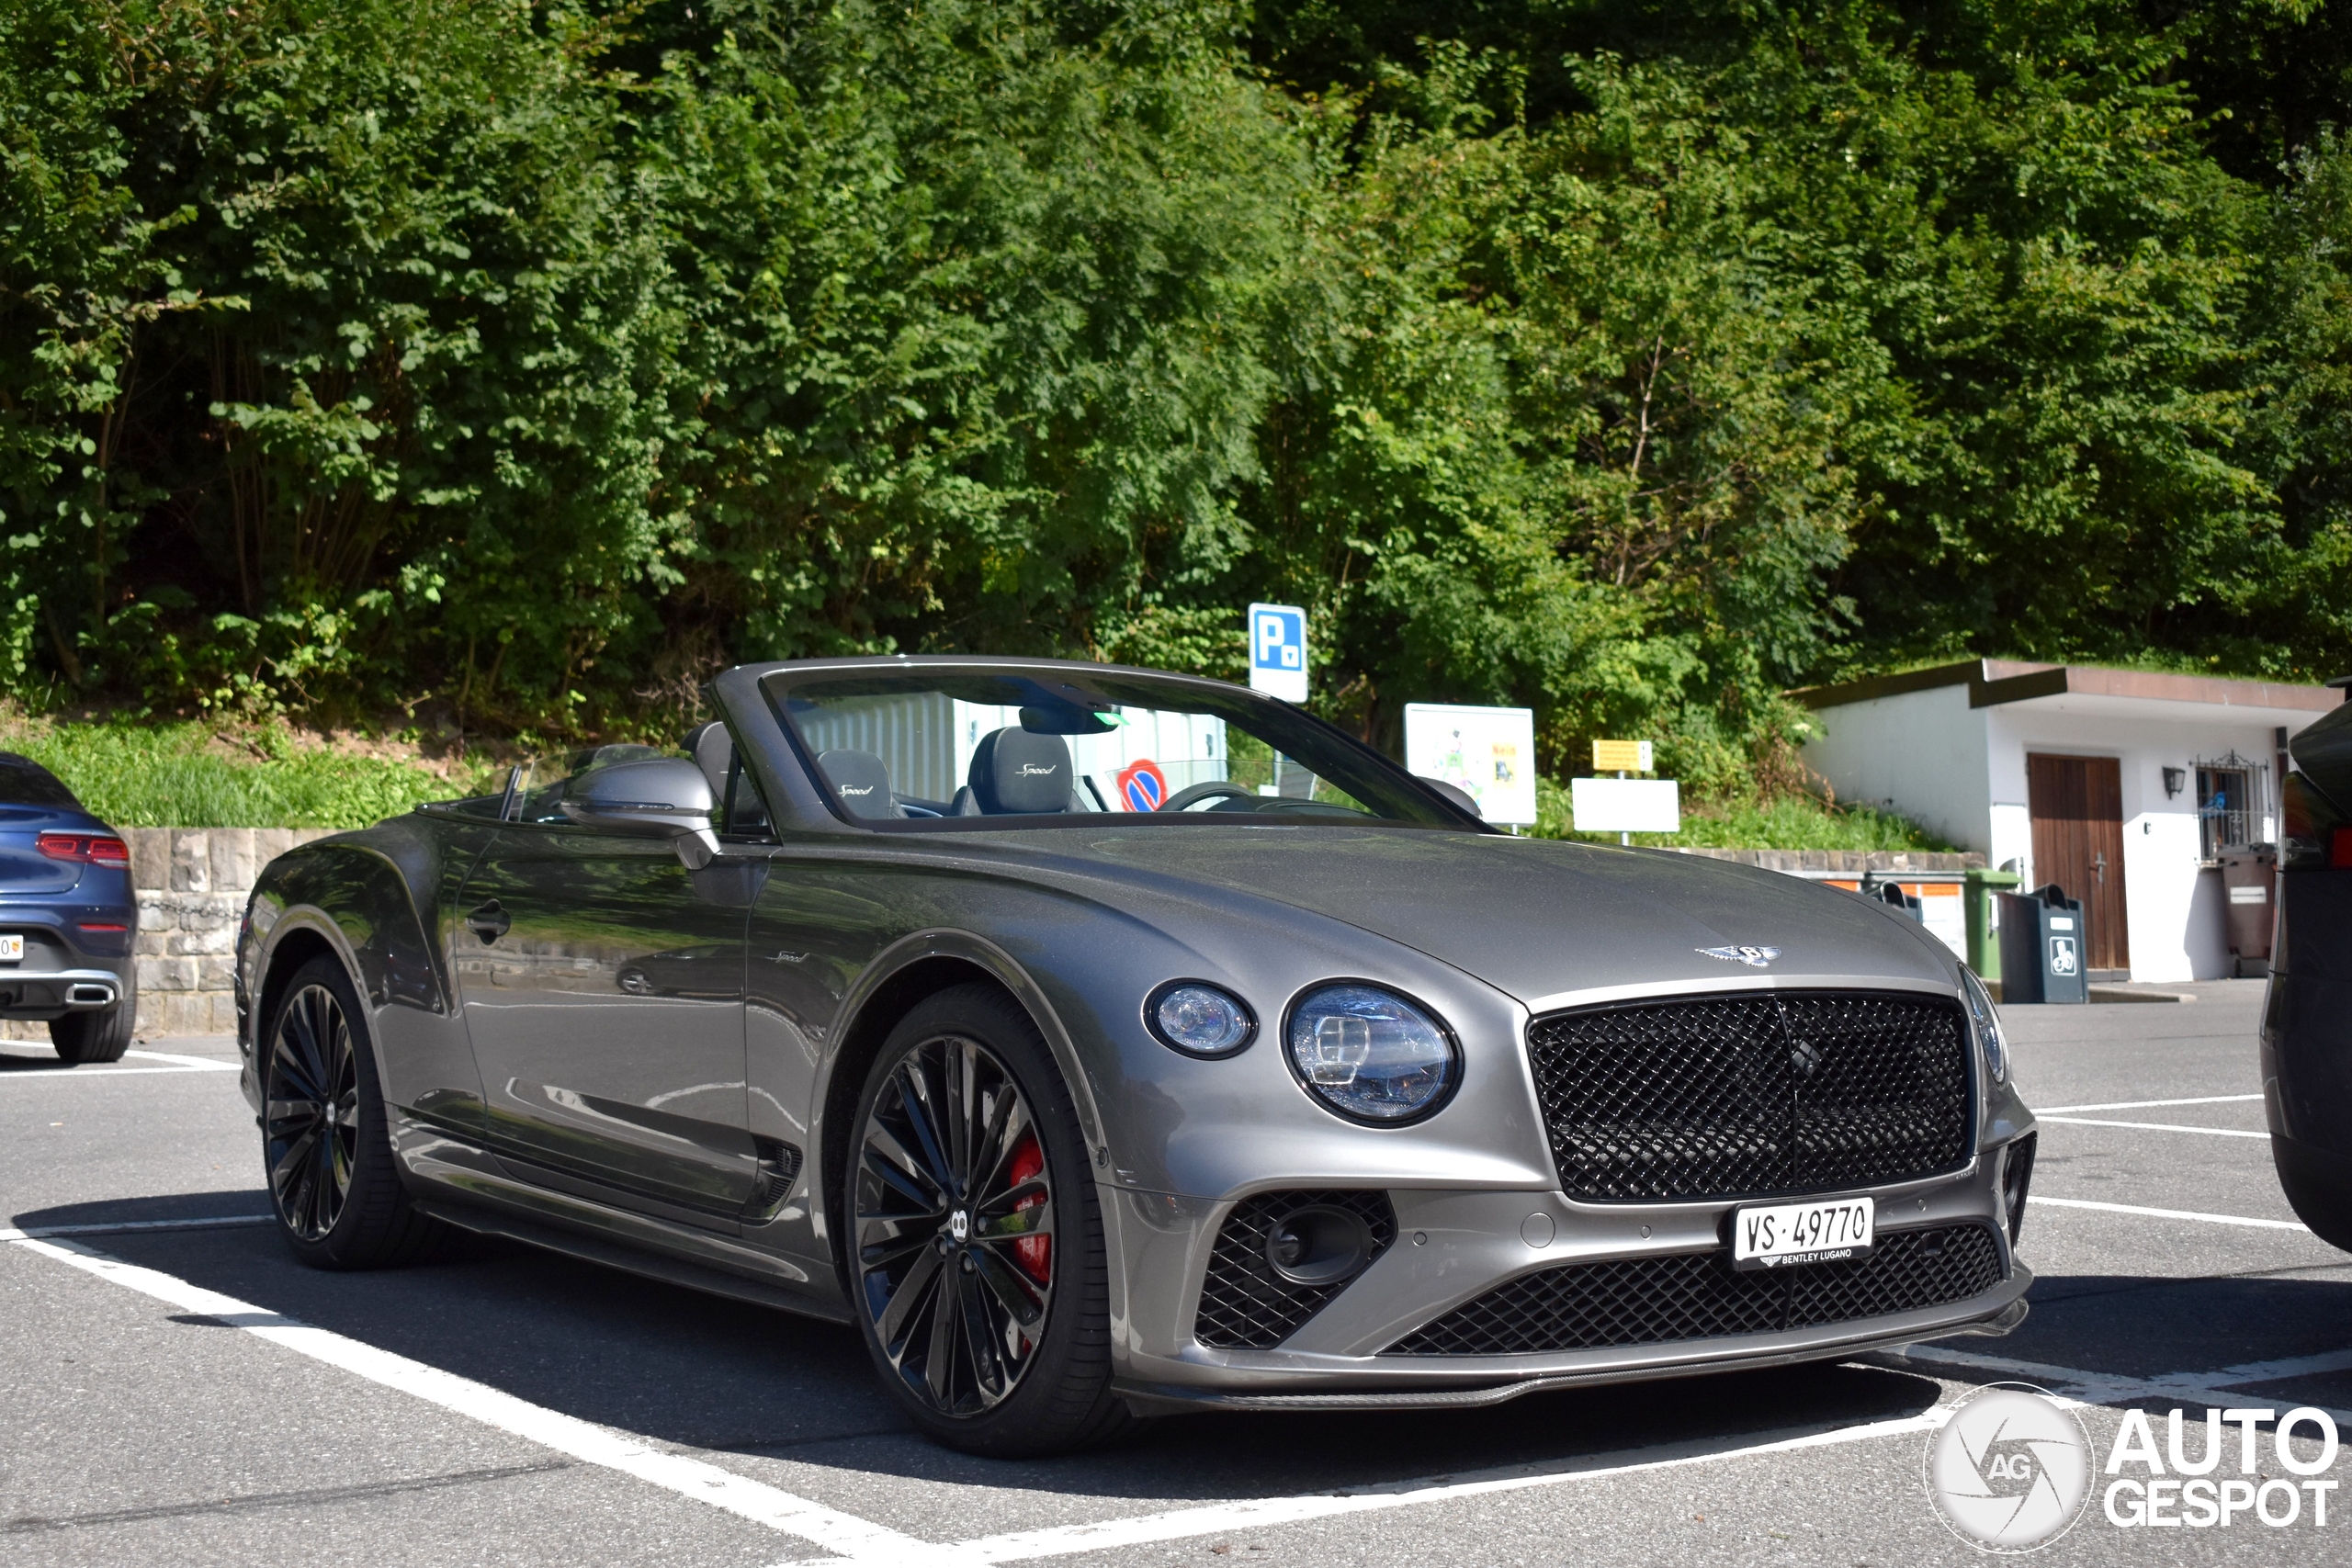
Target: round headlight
pixel 1987 1022
pixel 1199 1020
pixel 1369 1054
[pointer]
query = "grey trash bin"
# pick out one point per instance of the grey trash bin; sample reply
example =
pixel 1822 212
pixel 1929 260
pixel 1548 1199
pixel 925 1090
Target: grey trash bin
pixel 2043 947
pixel 2249 880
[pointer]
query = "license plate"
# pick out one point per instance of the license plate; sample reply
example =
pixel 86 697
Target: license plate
pixel 1781 1236
pixel 12 948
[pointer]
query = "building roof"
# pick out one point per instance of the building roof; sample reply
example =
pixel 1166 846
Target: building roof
pixel 1993 682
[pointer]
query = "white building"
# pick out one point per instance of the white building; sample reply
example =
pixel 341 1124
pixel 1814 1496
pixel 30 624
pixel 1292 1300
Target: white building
pixel 2121 785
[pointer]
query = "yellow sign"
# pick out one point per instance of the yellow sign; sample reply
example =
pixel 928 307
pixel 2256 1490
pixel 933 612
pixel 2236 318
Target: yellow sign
pixel 1620 756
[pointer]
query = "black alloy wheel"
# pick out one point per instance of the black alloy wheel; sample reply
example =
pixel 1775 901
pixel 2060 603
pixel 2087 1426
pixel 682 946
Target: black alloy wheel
pixel 326 1147
pixel 955 1230
pixel 311 1119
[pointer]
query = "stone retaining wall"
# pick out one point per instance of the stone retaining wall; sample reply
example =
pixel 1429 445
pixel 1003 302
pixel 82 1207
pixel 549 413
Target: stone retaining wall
pixel 1854 862
pixel 192 884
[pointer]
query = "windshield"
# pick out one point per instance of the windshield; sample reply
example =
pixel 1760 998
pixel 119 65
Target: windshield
pixel 920 747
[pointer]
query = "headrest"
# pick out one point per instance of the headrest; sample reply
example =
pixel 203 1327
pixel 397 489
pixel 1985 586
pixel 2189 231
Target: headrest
pixel 862 780
pixel 1014 771
pixel 713 751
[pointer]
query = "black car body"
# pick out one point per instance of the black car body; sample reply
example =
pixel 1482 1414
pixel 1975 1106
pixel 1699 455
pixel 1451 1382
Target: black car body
pixel 68 916
pixel 1352 1099
pixel 2307 1011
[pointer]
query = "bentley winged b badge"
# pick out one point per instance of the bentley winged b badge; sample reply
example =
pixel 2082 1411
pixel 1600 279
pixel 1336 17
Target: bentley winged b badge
pixel 1754 957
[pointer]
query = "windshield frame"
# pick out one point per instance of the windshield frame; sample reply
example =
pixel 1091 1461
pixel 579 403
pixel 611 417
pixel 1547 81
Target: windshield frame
pixel 776 683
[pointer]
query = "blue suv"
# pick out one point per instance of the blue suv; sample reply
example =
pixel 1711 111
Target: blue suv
pixel 67 917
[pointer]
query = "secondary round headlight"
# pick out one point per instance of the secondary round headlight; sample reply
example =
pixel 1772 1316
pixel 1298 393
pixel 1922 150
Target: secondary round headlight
pixel 1987 1022
pixel 1198 1019
pixel 1369 1054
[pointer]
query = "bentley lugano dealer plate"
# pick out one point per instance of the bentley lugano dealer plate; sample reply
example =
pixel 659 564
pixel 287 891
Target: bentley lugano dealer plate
pixel 1778 1236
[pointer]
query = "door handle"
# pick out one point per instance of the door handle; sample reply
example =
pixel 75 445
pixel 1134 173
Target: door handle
pixel 2099 867
pixel 488 921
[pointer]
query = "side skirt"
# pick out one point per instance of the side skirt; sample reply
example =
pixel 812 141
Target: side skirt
pixel 524 1216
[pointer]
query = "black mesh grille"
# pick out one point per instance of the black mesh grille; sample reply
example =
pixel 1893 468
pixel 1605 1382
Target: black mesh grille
pixel 1648 1301
pixel 1763 1093
pixel 1244 1305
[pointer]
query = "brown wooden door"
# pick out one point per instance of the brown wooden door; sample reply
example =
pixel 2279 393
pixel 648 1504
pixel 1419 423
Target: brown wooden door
pixel 2076 804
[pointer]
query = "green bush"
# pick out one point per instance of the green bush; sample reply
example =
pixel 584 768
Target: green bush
pixel 165 776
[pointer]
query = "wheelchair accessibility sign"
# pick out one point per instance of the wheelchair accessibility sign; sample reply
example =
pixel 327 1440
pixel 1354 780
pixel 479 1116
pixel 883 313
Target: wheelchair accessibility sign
pixel 1278 652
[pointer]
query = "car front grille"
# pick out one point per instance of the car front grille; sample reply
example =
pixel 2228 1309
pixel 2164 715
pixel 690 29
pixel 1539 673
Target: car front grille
pixel 1755 1094
pixel 1245 1306
pixel 1699 1295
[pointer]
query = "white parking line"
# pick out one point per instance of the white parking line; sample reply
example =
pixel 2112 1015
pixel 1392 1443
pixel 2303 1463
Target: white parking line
pixel 2148 1126
pixel 2113 1388
pixel 2037 1200
pixel 48 1071
pixel 213 1223
pixel 583 1440
pixel 201 1064
pixel 1216 1518
pixel 2146 1104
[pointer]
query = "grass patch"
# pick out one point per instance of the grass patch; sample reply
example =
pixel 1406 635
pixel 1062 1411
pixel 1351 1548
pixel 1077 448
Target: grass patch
pixel 1790 822
pixel 187 775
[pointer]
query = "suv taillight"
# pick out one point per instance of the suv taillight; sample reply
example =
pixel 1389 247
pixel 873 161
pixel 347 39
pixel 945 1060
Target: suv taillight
pixel 91 848
pixel 2315 834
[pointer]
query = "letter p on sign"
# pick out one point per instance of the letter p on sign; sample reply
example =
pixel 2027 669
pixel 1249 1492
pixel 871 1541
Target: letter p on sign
pixel 1278 652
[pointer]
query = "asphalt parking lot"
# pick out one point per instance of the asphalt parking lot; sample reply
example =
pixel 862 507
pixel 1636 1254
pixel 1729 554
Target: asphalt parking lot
pixel 174 1390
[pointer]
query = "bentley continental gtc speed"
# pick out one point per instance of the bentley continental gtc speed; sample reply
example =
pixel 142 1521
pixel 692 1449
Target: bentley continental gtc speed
pixel 1104 1043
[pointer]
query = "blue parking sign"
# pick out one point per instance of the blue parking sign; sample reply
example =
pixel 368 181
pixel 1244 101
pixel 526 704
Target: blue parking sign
pixel 1278 652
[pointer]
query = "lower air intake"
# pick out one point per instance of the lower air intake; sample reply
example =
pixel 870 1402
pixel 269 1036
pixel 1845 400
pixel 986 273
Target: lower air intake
pixel 1245 1304
pixel 1699 1295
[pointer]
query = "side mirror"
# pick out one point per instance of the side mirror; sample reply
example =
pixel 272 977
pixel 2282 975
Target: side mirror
pixel 654 798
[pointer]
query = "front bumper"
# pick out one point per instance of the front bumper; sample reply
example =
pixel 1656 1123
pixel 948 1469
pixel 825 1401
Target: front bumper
pixel 1454 1247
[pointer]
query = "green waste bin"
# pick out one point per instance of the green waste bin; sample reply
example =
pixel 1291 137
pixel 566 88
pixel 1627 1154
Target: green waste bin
pixel 1984 918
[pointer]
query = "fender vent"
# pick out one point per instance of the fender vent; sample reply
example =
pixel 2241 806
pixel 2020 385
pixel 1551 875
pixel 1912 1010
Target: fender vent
pixel 779 1169
pixel 1245 1306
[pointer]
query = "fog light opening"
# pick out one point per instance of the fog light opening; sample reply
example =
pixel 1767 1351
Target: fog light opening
pixel 1319 1246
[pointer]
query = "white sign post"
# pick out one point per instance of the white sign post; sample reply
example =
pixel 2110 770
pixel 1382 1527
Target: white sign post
pixel 1627 806
pixel 1488 753
pixel 1278 652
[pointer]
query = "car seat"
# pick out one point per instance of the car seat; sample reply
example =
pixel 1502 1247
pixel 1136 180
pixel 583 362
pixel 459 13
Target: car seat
pixel 861 780
pixel 1016 773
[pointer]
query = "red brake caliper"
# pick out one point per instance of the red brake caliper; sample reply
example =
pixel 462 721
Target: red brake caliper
pixel 1036 1252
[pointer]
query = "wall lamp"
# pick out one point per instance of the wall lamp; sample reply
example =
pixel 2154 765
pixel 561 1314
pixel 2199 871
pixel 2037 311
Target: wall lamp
pixel 2174 779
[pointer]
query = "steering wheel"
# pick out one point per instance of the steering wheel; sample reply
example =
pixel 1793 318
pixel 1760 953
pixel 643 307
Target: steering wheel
pixel 1209 791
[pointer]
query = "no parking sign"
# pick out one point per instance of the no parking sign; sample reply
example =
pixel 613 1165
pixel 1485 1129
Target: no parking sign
pixel 1142 786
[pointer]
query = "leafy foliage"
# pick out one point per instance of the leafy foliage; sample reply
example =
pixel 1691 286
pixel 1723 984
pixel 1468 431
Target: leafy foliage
pixel 1636 362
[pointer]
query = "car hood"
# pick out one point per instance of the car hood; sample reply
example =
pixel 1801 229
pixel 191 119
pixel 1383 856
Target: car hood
pixel 1538 918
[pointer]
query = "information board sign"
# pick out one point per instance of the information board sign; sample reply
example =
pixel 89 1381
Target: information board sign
pixel 1627 806
pixel 1278 652
pixel 1488 753
pixel 1622 757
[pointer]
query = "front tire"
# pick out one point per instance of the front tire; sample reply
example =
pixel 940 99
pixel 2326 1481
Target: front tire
pixel 326 1146
pixel 974 1244
pixel 99 1036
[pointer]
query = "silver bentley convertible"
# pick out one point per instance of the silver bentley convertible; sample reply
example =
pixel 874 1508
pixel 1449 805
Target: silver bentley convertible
pixel 1105 1042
